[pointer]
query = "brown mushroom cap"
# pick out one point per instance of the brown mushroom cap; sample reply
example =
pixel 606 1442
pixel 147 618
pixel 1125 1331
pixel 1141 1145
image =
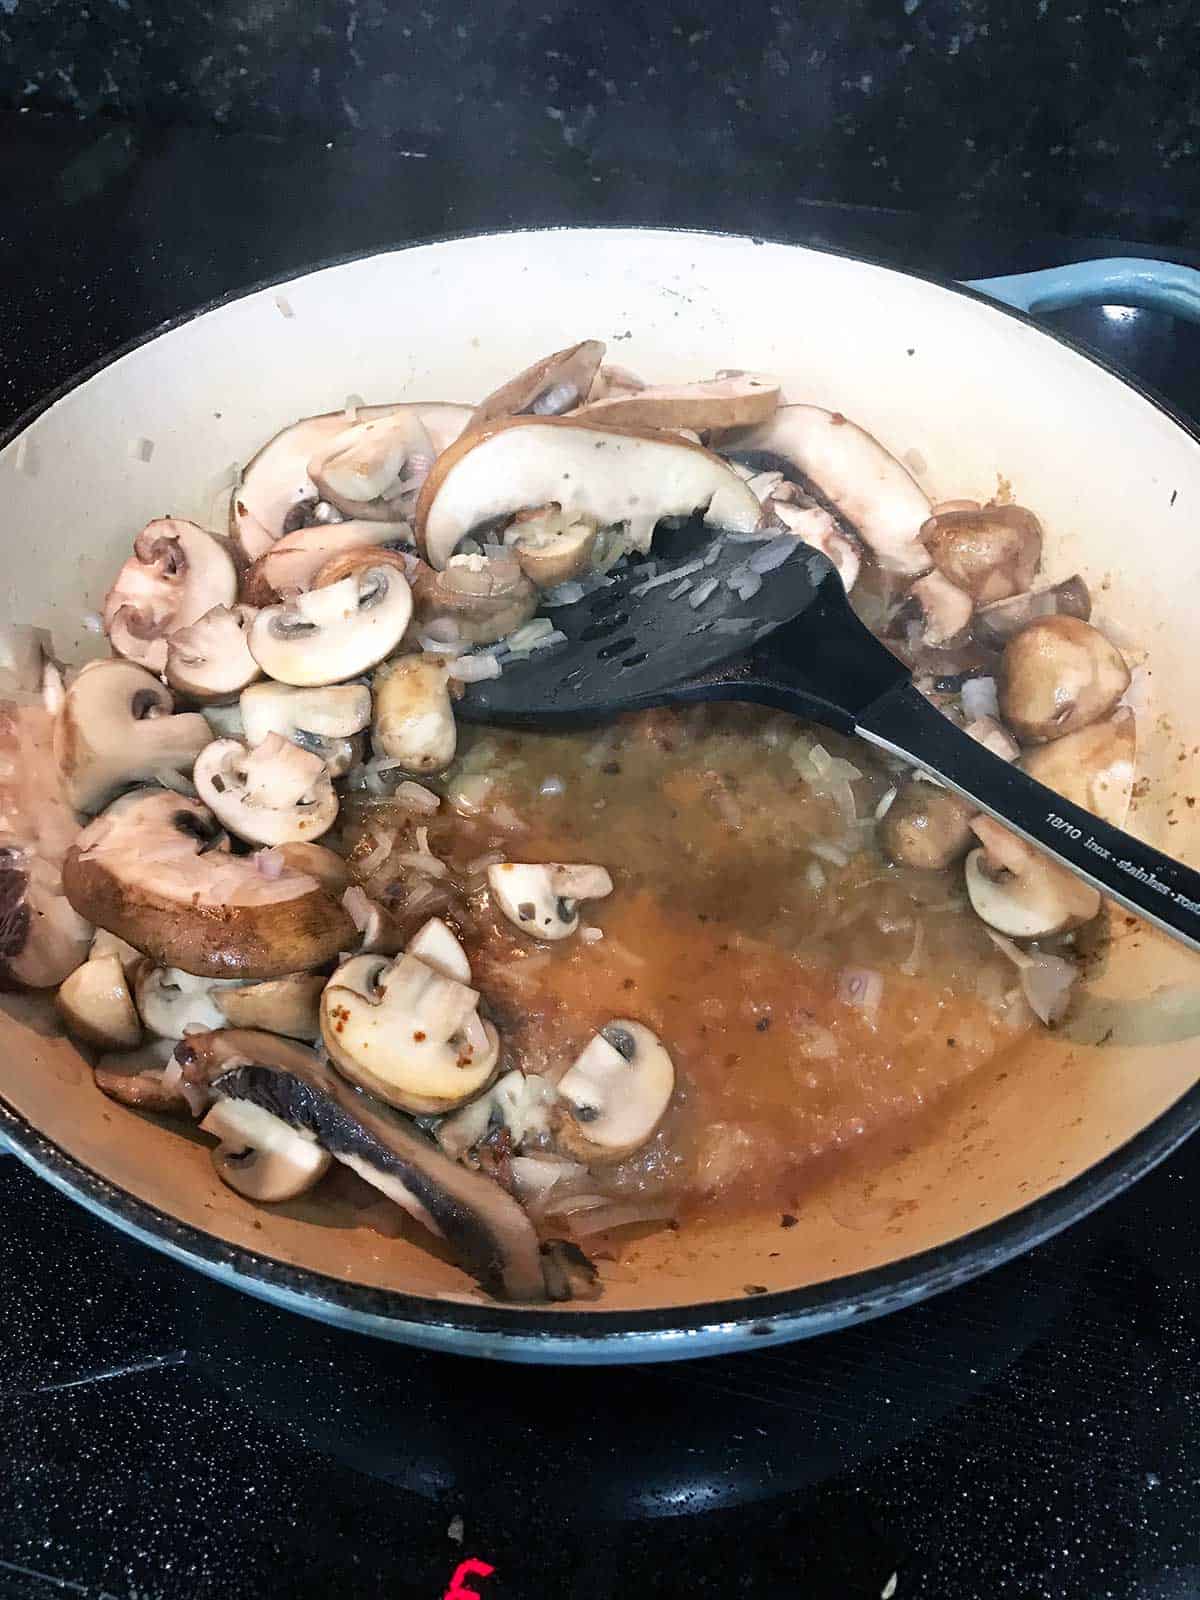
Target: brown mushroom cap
pixel 293 561
pixel 992 553
pixel 156 870
pixel 176 573
pixel 1056 676
pixel 1094 767
pixel 556 383
pixel 357 559
pixel 927 826
pixel 487 597
pixel 135 1078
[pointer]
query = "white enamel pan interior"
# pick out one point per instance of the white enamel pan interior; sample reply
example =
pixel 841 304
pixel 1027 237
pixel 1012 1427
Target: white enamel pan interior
pixel 969 396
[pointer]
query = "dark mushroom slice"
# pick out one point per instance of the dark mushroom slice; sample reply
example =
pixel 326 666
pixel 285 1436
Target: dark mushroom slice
pixel 485 597
pixel 927 826
pixel 992 553
pixel 491 1236
pixel 555 384
pixel 995 624
pixel 156 869
pixel 139 1078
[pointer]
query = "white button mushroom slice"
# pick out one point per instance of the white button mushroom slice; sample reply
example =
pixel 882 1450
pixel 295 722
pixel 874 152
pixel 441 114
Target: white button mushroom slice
pixel 117 727
pixel 521 1104
pixel 816 527
pixel 96 1006
pixel 550 547
pixel 1056 676
pixel 260 1155
pixel 992 552
pixel 210 660
pixel 555 384
pixel 156 870
pixel 273 794
pixel 276 487
pixel 484 597
pixel 292 563
pixel 436 944
pixel 177 572
pixel 1017 891
pixel 607 475
pixel 854 473
pixel 142 1078
pixel 173 1003
pixel 487 1231
pixel 542 899
pixel 328 635
pixel 945 608
pixel 290 1005
pixel 406 1033
pixel 616 1093
pixel 324 720
pixel 744 401
pixel 414 715
pixel 1094 767
pixel 42 938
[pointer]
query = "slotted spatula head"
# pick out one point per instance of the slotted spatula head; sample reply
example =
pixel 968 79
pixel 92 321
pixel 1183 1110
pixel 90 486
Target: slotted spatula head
pixel 655 626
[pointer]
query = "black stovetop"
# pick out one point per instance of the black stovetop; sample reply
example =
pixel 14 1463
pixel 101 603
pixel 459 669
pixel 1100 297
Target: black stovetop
pixel 1030 1435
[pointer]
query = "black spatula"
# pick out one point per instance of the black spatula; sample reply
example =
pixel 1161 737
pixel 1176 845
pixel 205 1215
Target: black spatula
pixel 698 628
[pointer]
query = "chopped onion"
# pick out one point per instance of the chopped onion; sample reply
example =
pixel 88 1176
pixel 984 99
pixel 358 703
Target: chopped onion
pixel 748 586
pixel 667 577
pixel 552 785
pixel 600 1218
pixel 385 840
pixel 271 864
pixel 702 592
pixel 829 852
pixel 1046 979
pixel 591 935
pixel 979 699
pixel 861 988
pixel 680 589
pixel 420 861
pixel 885 803
pixel 438 647
pixel 475 669
pixel 416 797
pixel 564 594
pixel 524 638
pixel 774 554
pixel 480 864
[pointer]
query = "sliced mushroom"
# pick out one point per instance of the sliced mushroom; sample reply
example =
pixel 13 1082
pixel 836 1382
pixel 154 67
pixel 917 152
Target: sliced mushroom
pixel 1056 676
pixel 550 547
pixel 555 384
pixel 485 597
pixel 173 1003
pixel 290 1005
pixel 24 654
pixel 406 1033
pixel 107 944
pixel 276 489
pixel 853 472
pixel 543 899
pixel 275 793
pixel 1017 891
pixel 42 938
pixel 436 944
pixel 210 660
pixel 96 1006
pixel 744 401
pixel 315 861
pixel 995 624
pixel 225 721
pixel 992 736
pixel 605 474
pixel 324 720
pixel 490 1235
pixel 373 467
pixel 156 870
pixel 348 562
pixel 992 552
pixel 1094 767
pixel 331 634
pixel 612 380
pixel 945 608
pixel 140 1078
pixel 380 933
pixel 615 1093
pixel 292 563
pixel 260 1155
pixel 414 716
pixel 117 727
pixel 816 527
pixel 519 1103
pixel 926 826
pixel 177 573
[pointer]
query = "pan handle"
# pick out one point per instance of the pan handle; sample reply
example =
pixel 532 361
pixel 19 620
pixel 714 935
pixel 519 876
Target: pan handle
pixel 1122 281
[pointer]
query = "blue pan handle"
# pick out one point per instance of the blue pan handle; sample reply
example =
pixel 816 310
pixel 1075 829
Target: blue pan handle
pixel 1122 281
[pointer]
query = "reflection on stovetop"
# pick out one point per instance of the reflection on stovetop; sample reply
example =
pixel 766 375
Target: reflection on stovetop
pixel 1036 1423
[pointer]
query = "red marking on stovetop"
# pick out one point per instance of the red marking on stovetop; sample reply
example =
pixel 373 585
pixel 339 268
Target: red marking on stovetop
pixel 472 1567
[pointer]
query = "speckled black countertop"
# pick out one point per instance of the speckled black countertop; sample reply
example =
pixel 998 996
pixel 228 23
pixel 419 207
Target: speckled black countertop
pixel 1031 1435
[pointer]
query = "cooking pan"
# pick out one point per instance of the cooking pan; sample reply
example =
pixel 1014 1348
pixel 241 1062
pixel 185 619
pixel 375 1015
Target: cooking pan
pixel 971 395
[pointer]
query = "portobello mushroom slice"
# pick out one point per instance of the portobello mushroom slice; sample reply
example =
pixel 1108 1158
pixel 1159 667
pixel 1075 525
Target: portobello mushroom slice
pixel 156 870
pixel 555 384
pixel 489 1233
